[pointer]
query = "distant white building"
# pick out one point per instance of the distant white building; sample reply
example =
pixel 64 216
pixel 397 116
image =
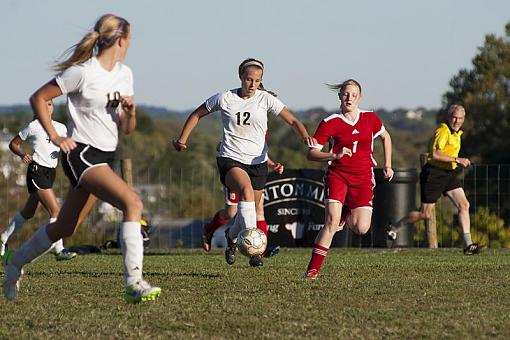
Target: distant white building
pixel 10 164
pixel 414 115
pixel 5 139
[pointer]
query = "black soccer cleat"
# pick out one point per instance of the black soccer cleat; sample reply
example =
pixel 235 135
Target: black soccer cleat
pixel 271 251
pixel 391 232
pixel 473 249
pixel 256 261
pixel 230 250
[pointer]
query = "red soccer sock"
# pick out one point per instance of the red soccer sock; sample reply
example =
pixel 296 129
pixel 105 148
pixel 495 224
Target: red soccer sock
pixel 318 254
pixel 262 225
pixel 215 223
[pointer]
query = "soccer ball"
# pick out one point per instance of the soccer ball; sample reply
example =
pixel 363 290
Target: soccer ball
pixel 251 242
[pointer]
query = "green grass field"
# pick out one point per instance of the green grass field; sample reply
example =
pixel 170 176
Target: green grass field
pixel 361 293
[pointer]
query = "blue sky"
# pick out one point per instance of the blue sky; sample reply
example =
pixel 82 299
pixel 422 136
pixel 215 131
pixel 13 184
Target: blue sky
pixel 403 52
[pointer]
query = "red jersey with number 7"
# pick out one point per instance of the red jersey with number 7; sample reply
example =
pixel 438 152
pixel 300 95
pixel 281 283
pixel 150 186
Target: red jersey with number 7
pixel 357 135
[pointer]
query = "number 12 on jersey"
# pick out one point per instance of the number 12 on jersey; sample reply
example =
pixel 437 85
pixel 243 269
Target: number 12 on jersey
pixel 244 119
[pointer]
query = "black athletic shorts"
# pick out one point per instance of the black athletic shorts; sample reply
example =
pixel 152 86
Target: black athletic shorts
pixel 84 157
pixel 435 181
pixel 257 172
pixel 39 177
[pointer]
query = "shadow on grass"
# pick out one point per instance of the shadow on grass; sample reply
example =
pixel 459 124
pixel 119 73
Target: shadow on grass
pixel 116 274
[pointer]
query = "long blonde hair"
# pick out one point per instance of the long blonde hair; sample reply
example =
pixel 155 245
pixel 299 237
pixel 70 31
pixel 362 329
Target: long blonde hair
pixel 107 30
pixel 341 86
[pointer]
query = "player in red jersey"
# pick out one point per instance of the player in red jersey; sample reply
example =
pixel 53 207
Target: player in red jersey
pixel 349 180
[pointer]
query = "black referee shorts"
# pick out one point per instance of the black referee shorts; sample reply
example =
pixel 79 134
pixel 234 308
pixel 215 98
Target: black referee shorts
pixel 257 172
pixel 435 181
pixel 39 177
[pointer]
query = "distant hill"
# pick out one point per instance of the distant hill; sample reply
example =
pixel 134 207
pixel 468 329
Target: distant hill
pixel 401 119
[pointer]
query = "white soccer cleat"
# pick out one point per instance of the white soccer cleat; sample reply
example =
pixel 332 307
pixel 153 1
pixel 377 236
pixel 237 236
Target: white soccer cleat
pixel 141 291
pixel 12 278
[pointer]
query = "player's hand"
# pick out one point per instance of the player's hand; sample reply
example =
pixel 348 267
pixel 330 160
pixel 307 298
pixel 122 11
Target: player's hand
pixel 128 105
pixel 345 152
pixel 66 144
pixel 278 168
pixel 310 141
pixel 465 162
pixel 27 158
pixel 388 173
pixel 179 146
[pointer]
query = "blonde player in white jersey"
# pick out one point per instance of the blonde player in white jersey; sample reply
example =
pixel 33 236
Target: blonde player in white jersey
pixel 41 173
pixel 242 158
pixel 99 90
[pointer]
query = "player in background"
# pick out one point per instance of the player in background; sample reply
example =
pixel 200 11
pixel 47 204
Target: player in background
pixel 242 159
pixel 100 102
pixel 349 179
pixel 41 173
pixel 222 216
pixel 440 176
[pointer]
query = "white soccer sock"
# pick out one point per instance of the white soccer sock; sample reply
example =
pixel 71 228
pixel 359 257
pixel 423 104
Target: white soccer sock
pixel 246 218
pixel 58 246
pixel 36 246
pixel 247 215
pixel 467 239
pixel 14 225
pixel 131 244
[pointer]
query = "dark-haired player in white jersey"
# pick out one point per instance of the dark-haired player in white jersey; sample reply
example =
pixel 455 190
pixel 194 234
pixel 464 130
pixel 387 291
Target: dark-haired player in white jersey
pixel 349 180
pixel 99 90
pixel 41 173
pixel 242 158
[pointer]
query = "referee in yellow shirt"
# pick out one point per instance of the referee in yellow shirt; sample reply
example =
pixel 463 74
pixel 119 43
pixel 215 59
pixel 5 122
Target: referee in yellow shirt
pixel 440 176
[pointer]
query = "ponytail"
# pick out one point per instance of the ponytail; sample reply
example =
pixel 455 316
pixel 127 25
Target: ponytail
pixel 79 53
pixel 107 30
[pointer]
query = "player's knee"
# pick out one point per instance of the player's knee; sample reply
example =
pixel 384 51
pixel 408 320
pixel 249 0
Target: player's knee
pixel 427 214
pixel 361 228
pixel 464 206
pixel 134 203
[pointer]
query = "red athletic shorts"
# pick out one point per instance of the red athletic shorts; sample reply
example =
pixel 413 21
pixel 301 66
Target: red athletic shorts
pixel 352 189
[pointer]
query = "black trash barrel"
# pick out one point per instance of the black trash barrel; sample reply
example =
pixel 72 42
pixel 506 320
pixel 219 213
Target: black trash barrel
pixel 392 201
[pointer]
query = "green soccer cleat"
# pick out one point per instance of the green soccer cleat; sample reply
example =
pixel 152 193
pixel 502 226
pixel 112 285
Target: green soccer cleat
pixel 12 278
pixel 141 291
